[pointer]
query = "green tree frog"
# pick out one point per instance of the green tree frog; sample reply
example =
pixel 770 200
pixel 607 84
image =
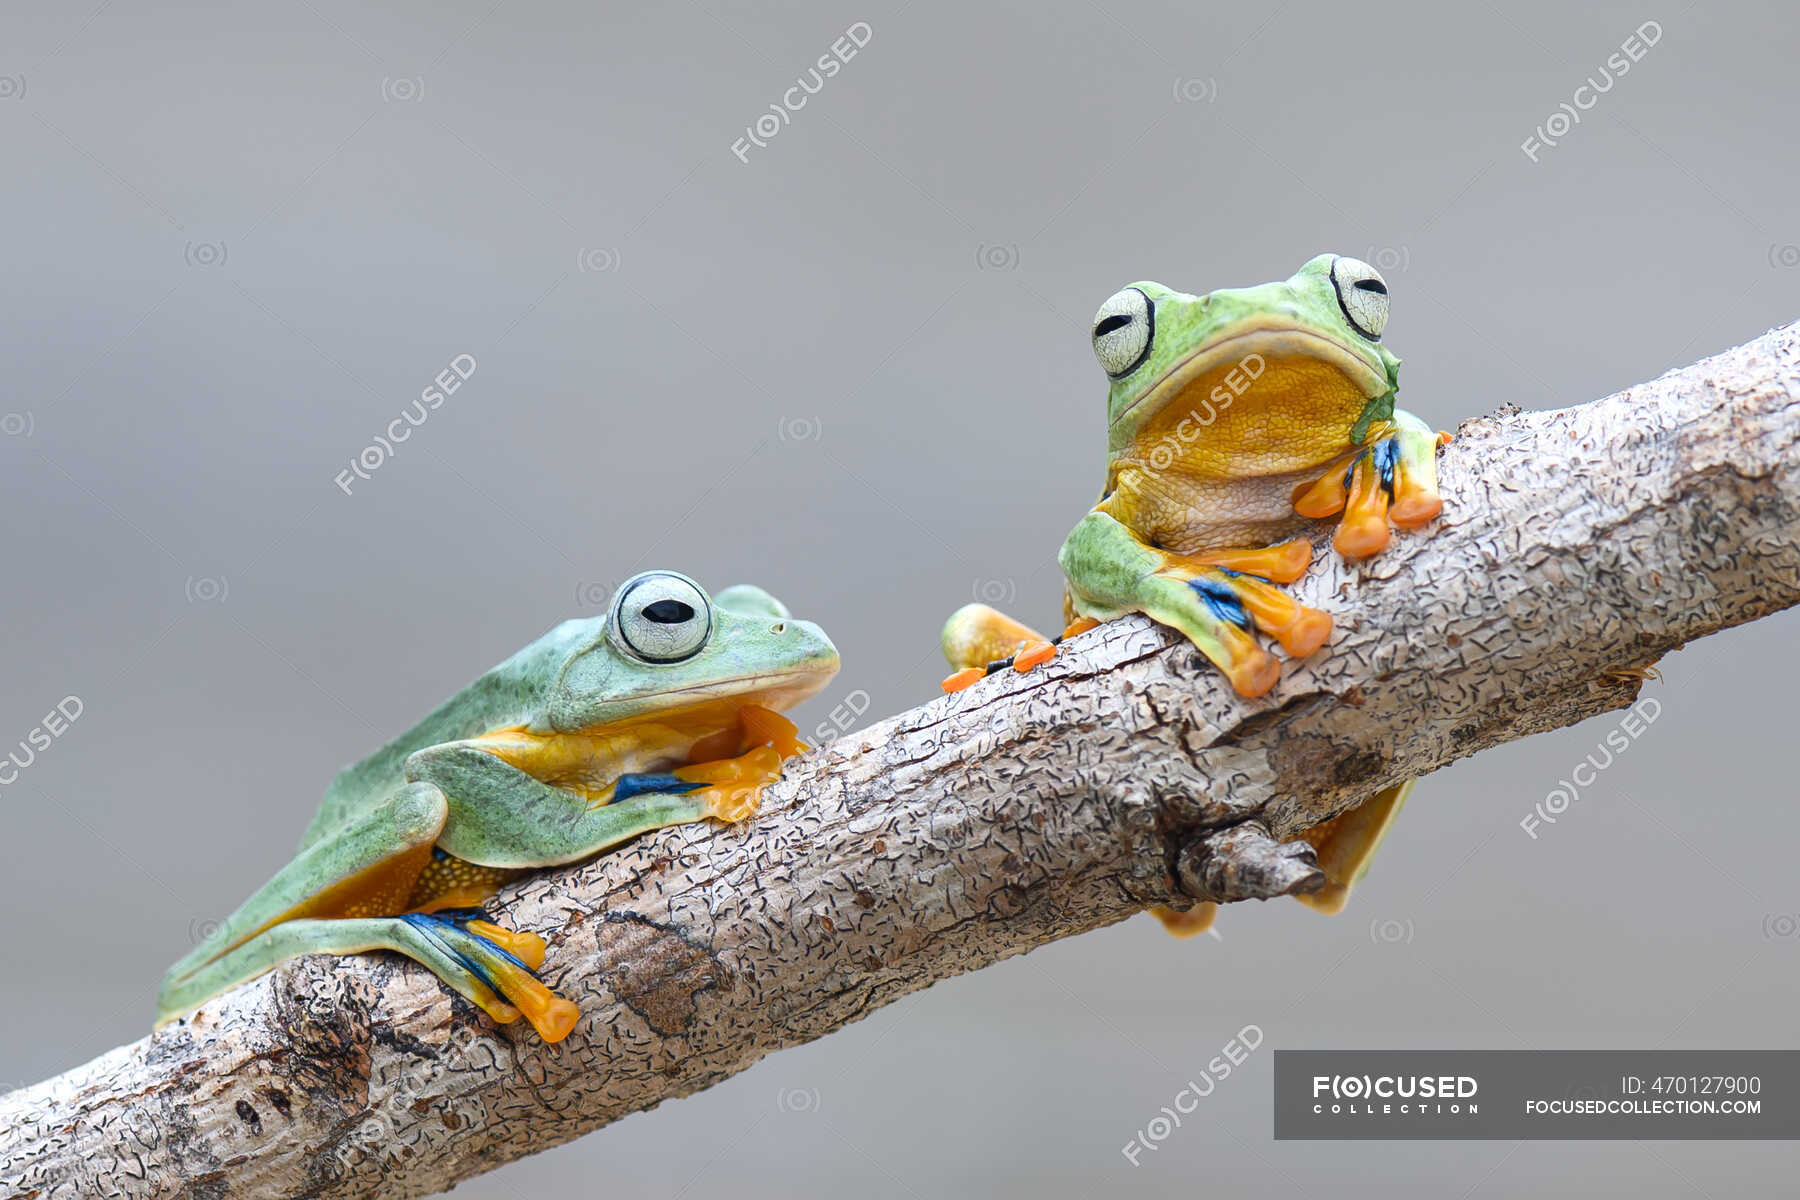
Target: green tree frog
pixel 663 710
pixel 1232 418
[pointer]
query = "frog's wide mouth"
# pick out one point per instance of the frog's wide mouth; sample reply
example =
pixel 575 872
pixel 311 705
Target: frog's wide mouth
pixel 810 679
pixel 714 704
pixel 1273 338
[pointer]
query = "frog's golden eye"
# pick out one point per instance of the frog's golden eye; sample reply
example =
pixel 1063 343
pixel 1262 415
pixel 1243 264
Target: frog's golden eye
pixel 661 617
pixel 1362 294
pixel 1123 330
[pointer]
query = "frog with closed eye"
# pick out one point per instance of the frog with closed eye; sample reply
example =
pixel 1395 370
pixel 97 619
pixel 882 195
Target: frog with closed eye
pixel 1233 418
pixel 662 711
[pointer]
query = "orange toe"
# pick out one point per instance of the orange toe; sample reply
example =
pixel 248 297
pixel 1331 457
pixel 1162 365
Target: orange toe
pixel 1283 563
pixel 556 1020
pixel 549 1014
pixel 1411 510
pixel 1362 538
pixel 1364 529
pixel 766 727
pixel 528 948
pixel 1325 496
pixel 1033 654
pixel 962 679
pixel 1299 629
pixel 1310 630
pixel 1254 674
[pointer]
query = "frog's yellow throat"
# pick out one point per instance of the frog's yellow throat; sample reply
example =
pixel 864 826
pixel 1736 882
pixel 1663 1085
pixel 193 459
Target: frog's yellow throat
pixel 1266 398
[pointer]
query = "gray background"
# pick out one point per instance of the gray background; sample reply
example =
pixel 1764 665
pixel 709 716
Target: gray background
pixel 854 369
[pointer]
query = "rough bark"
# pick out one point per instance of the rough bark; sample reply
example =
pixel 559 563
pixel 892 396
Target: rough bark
pixel 1576 547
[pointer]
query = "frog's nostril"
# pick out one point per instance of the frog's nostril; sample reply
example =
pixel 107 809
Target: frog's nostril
pixel 778 627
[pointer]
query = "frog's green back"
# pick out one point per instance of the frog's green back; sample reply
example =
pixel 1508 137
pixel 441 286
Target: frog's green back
pixel 509 694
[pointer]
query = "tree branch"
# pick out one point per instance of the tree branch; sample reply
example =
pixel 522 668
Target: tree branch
pixel 1577 546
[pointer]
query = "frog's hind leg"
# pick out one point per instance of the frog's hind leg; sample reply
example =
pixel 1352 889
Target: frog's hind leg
pixel 326 935
pixel 344 893
pixel 501 960
pixel 981 640
pixel 1393 476
pixel 1347 844
pixel 365 868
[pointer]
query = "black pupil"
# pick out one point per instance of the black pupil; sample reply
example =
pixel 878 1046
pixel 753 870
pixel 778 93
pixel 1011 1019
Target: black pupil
pixel 1116 321
pixel 668 612
pixel 1372 285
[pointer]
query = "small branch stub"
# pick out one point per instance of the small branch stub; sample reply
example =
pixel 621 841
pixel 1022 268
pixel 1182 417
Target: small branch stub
pixel 1245 863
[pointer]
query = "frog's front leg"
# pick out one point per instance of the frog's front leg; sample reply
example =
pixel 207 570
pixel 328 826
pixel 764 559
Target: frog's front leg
pixel 1392 475
pixel 1218 600
pixel 503 816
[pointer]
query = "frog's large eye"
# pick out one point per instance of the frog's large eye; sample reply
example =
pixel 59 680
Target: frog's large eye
pixel 661 617
pixel 1362 294
pixel 1123 330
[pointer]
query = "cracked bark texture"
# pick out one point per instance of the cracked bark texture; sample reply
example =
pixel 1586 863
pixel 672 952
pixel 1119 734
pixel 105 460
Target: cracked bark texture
pixel 1575 546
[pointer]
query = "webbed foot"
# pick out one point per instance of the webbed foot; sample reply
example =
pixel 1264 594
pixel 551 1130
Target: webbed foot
pixel 1393 477
pixel 982 640
pixel 731 788
pixel 489 965
pixel 504 960
pixel 727 787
